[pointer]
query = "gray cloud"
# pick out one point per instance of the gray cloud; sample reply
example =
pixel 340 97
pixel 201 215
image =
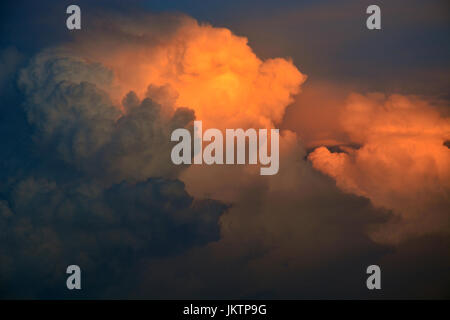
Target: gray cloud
pixel 76 121
pixel 46 227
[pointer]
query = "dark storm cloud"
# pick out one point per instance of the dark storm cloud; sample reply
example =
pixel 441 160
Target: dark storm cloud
pixel 305 244
pixel 45 227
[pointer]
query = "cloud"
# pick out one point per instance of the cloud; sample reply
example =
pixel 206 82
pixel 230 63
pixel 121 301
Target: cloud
pixel 402 165
pixel 10 59
pixel 312 116
pixel 87 177
pixel 210 70
pixel 73 115
pixel 47 226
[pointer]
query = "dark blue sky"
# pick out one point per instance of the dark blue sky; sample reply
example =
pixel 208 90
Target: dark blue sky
pixel 327 40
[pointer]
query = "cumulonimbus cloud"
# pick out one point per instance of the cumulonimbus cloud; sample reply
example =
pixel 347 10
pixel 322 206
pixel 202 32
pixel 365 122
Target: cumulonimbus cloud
pixel 216 74
pixel 100 111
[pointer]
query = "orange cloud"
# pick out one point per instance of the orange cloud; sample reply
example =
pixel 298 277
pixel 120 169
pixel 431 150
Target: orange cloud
pixel 403 164
pixel 313 114
pixel 209 70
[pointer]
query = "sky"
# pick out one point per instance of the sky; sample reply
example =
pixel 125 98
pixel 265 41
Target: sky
pixel 87 177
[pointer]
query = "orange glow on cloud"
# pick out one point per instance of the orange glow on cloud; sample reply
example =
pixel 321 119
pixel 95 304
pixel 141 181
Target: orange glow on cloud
pixel 403 164
pixel 210 70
